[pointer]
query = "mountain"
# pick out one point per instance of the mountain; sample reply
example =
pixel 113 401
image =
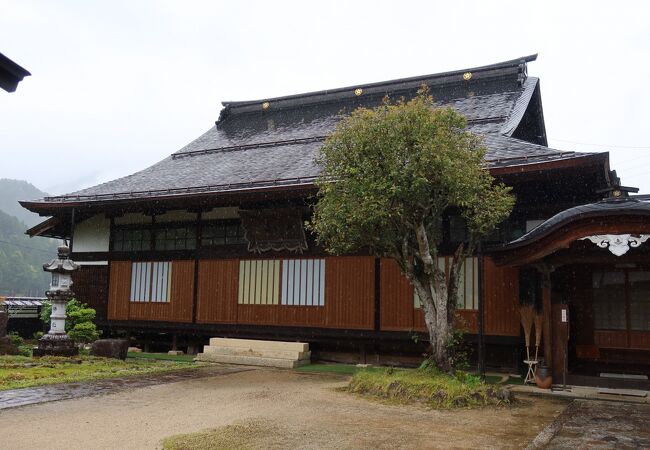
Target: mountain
pixel 13 190
pixel 22 258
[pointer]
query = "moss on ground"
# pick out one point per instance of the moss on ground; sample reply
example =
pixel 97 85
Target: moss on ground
pixel 427 386
pixel 21 372
pixel 162 356
pixel 249 435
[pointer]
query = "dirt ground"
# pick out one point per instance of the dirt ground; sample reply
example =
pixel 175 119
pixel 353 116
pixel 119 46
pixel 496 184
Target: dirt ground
pixel 297 410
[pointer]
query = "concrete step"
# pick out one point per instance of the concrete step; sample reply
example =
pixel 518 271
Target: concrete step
pixel 252 360
pixel 263 353
pixel 255 344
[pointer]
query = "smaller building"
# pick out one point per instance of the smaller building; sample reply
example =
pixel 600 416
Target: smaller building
pixel 24 314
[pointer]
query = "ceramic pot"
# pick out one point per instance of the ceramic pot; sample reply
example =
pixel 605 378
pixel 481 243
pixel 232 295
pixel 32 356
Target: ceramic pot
pixel 543 378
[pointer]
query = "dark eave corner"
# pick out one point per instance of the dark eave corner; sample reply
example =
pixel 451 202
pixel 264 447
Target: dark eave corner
pixel 10 74
pixel 53 227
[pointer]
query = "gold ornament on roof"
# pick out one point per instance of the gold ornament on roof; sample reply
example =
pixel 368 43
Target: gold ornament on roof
pixel 467 76
pixel 358 91
pixel 266 105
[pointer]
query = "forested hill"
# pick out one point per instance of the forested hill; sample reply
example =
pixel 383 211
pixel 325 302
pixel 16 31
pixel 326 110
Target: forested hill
pixel 22 258
pixel 13 190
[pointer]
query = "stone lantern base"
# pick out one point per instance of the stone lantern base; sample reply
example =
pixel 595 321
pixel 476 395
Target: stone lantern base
pixel 56 345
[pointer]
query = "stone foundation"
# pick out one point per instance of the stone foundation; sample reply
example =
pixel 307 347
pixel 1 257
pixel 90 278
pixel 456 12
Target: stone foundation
pixel 56 345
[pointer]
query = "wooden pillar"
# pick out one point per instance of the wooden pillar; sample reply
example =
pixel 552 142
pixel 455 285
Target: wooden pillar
pixel 548 313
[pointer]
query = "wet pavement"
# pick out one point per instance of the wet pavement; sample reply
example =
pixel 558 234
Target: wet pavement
pixel 590 424
pixel 54 392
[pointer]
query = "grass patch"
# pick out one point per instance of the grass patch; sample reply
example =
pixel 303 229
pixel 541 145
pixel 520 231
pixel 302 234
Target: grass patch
pixel 162 357
pixel 342 369
pixel 239 436
pixel 427 386
pixel 21 372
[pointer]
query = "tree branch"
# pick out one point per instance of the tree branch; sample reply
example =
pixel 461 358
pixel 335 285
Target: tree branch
pixel 424 249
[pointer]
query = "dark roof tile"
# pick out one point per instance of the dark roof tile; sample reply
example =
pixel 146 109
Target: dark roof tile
pixel 252 146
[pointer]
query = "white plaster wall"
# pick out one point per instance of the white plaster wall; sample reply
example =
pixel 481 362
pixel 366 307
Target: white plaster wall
pixel 92 235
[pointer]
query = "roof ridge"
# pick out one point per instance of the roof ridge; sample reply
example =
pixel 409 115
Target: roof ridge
pixel 378 88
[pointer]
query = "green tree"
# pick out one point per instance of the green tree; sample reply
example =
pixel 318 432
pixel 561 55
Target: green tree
pixel 79 322
pixel 388 177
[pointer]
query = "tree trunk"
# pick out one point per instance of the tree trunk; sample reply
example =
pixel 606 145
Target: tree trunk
pixel 432 291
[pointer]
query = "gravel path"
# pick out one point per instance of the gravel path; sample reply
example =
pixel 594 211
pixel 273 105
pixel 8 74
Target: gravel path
pixel 303 410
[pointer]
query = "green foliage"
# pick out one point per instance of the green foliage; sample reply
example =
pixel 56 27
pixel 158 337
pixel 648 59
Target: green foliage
pixel 84 332
pixel 458 350
pixel 429 386
pixel 79 323
pixel 25 350
pixel 389 177
pixel 15 338
pixel 22 258
pixel 385 170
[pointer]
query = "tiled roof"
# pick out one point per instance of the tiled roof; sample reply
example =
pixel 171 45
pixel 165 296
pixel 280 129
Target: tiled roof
pixel 273 142
pixel 632 206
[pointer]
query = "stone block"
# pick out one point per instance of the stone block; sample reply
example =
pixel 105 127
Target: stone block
pixel 175 352
pixel 255 344
pixel 251 360
pixel 262 353
pixel 110 348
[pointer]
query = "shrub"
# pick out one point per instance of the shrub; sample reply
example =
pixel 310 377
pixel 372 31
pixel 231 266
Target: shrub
pixel 79 323
pixel 16 339
pixel 84 332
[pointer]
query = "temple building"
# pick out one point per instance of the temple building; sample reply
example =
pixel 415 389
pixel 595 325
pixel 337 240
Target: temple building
pixel 210 241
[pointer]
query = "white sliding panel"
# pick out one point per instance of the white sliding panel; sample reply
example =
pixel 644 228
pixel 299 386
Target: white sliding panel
pixel 303 282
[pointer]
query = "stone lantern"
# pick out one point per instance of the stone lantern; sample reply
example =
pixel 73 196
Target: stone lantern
pixel 56 342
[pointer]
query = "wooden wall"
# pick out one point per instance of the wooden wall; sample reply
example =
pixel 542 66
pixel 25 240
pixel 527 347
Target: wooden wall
pixel 217 291
pixel 90 286
pixel 119 289
pixel 500 293
pixel 350 292
pixel 178 309
pixel 349 298
pixel 501 296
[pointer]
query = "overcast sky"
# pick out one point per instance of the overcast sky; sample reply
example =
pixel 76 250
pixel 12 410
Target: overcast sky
pixel 119 85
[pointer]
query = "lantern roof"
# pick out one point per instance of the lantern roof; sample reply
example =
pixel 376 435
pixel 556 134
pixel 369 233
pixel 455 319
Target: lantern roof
pixel 62 263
